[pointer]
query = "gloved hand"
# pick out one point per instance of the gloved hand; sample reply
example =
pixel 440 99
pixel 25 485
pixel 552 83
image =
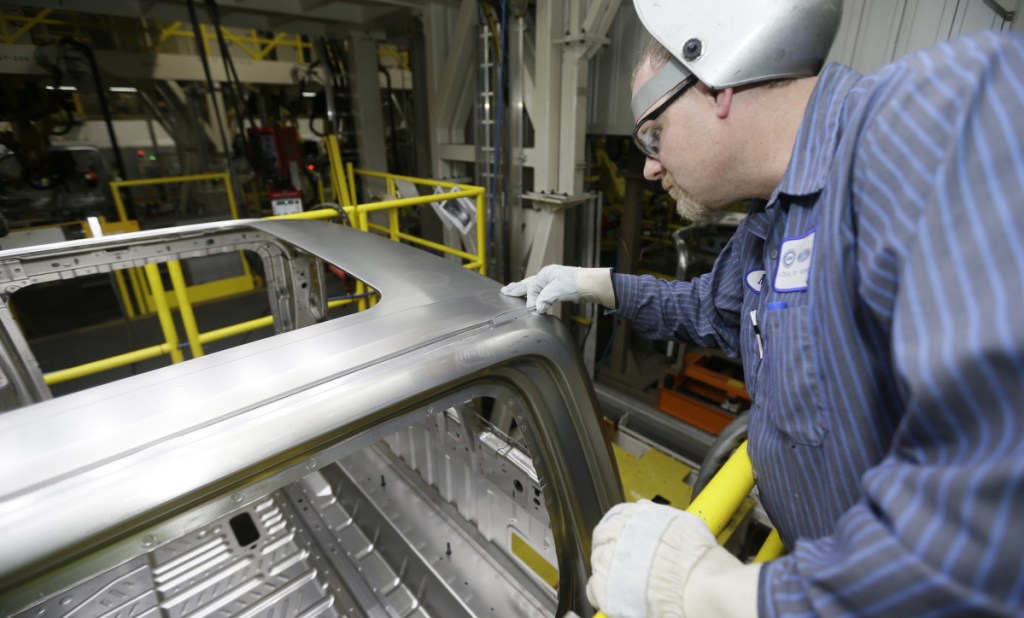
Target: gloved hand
pixel 654 560
pixel 570 283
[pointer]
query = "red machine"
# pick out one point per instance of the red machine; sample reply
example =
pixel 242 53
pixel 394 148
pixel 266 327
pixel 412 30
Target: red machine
pixel 274 150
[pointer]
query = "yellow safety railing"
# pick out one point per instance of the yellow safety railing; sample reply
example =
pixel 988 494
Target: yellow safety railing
pixel 723 496
pixel 205 291
pixel 24 24
pixel 478 261
pixel 48 24
pixel 117 185
pixel 151 296
pixel 255 46
pixel 360 220
pixel 344 183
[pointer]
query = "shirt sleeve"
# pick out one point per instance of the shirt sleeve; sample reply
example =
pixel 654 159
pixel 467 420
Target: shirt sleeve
pixel 937 531
pixel 704 311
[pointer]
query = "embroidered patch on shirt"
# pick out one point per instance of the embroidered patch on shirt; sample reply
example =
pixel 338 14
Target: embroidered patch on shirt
pixel 794 263
pixel 755 279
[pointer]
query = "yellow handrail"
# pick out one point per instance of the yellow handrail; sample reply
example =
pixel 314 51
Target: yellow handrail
pixel 255 46
pixel 358 214
pixel 725 492
pixel 236 329
pixel 343 181
pixel 163 312
pixel 772 548
pixel 117 185
pixel 88 369
pixel 188 318
pixel 320 213
pixel 339 181
pixel 723 495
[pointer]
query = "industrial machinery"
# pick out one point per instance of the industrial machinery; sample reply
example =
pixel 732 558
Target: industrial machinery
pixel 41 182
pixel 69 183
pixel 438 454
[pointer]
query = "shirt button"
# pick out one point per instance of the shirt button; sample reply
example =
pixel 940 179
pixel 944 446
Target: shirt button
pixel 774 254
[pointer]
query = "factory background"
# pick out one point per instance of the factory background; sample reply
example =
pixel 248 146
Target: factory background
pixel 492 133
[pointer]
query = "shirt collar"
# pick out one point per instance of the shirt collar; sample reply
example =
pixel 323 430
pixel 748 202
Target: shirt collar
pixel 819 134
pixel 758 220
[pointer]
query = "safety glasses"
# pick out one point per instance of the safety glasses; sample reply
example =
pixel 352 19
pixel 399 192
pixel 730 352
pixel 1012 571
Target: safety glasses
pixel 646 135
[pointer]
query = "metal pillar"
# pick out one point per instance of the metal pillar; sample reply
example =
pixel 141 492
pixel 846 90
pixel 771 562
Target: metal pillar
pixel 548 82
pixel 370 118
pixel 488 158
pixel 624 368
pixel 568 36
pixel 421 101
pixel 451 83
pixel 512 214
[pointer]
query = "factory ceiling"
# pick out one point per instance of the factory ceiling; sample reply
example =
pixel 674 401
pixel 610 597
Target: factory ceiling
pixel 312 17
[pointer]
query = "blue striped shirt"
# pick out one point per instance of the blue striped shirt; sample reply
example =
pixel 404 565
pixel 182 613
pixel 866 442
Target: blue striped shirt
pixel 887 431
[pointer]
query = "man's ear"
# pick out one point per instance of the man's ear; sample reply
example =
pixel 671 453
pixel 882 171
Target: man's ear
pixel 723 102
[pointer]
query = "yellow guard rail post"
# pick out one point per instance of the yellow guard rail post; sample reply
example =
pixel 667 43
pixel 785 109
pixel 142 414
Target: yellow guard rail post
pixel 152 298
pixel 117 185
pixel 188 318
pixel 214 289
pixel 723 496
pixel 163 312
pixel 477 262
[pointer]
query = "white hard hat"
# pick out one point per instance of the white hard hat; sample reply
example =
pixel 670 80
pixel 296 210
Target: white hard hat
pixel 735 42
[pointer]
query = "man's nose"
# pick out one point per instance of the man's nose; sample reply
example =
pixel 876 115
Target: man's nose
pixel 653 169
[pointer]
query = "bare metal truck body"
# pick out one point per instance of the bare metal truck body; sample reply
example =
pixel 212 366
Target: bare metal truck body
pixel 439 454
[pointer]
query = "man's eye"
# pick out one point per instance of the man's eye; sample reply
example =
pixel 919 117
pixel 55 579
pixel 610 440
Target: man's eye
pixel 654 138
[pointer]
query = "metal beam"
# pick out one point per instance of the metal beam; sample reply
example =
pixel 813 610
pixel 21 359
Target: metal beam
pixel 320 20
pixel 19 60
pixel 450 89
pixel 548 94
pixel 568 36
pixel 312 5
pixel 449 40
pixel 369 123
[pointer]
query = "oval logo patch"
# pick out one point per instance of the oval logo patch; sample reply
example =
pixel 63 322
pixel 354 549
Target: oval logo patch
pixel 754 280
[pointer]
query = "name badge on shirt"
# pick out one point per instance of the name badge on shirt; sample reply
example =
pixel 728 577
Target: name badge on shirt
pixel 794 263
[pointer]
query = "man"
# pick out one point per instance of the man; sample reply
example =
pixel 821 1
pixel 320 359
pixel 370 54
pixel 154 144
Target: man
pixel 873 292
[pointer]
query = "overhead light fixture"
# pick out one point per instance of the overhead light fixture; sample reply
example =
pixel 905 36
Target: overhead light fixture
pixel 123 89
pixel 309 95
pixel 64 88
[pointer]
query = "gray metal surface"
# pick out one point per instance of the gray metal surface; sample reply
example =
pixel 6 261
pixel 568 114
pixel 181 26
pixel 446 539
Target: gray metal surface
pixel 207 573
pixel 653 424
pixel 91 480
pixel 296 292
pixel 336 543
pixel 456 570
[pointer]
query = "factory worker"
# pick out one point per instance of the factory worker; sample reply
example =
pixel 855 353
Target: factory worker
pixel 874 293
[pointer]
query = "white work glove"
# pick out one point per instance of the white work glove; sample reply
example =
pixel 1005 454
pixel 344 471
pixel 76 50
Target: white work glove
pixel 654 560
pixel 570 283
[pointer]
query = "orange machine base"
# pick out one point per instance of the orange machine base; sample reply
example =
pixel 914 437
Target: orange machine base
pixel 678 396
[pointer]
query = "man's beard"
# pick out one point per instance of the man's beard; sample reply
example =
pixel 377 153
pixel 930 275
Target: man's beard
pixel 686 205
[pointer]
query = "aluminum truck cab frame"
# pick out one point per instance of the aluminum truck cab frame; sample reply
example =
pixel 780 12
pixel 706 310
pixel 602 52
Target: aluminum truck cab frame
pixel 428 456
